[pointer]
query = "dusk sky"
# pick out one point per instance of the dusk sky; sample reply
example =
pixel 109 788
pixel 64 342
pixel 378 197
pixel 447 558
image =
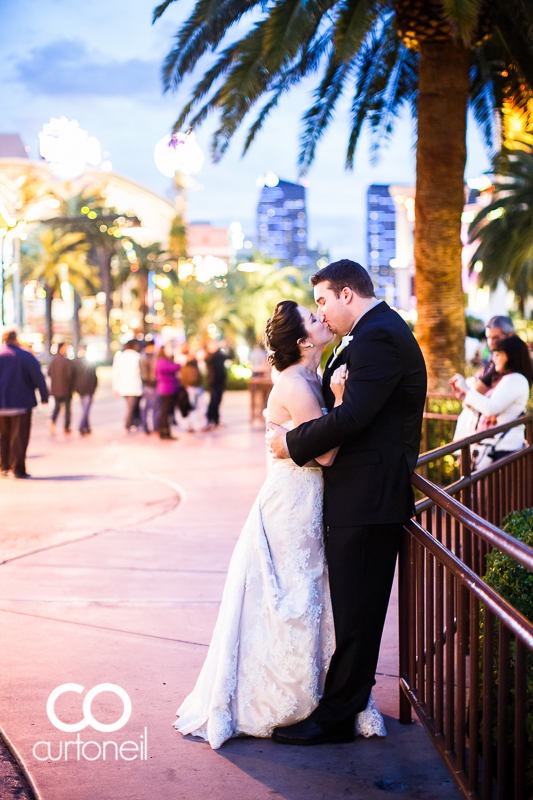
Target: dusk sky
pixel 100 62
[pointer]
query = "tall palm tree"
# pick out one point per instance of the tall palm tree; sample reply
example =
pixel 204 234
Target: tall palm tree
pixel 504 227
pixel 434 56
pixel 52 256
pixel 147 258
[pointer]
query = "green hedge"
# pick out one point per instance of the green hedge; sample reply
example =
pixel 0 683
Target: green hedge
pixel 515 584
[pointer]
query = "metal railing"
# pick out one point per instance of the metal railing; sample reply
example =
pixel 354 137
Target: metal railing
pixel 504 486
pixel 437 429
pixel 466 654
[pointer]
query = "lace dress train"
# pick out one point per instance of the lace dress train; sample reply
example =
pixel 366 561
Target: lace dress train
pixel 274 636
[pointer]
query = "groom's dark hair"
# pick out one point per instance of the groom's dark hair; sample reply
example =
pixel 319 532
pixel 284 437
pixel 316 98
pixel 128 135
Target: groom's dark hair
pixel 345 273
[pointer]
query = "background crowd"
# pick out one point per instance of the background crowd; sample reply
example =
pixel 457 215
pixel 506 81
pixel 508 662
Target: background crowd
pixel 179 385
pixel 158 385
pixel 163 387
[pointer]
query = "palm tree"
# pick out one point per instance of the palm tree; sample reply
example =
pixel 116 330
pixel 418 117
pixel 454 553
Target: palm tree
pixel 504 227
pixel 86 212
pixel 434 56
pixel 252 297
pixel 240 303
pixel 145 259
pixel 52 256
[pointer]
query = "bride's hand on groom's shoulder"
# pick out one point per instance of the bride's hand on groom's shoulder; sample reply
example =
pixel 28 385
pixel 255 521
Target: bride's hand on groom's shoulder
pixel 338 379
pixel 275 439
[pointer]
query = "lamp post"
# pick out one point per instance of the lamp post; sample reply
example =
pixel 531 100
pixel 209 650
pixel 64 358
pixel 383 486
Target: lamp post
pixel 179 156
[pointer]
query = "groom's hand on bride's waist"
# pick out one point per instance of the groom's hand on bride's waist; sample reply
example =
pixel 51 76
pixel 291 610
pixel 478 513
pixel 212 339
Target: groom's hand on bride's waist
pixel 276 440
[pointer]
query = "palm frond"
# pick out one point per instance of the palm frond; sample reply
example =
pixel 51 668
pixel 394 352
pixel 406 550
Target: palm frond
pixel 160 8
pixel 202 31
pixel 204 86
pixel 463 16
pixel 319 115
pixel 308 63
pixel 381 89
pixel 482 97
pixel 503 227
pixel 515 39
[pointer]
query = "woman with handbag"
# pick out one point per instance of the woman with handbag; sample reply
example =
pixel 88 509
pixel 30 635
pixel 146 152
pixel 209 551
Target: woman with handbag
pixel 505 401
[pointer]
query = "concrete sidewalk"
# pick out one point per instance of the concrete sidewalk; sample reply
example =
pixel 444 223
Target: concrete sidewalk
pixel 115 559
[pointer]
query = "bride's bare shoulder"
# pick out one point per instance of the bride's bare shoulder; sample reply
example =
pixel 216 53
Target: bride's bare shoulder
pixel 288 379
pixel 288 384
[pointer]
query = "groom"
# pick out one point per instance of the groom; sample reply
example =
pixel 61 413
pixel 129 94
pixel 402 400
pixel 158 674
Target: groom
pixel 367 491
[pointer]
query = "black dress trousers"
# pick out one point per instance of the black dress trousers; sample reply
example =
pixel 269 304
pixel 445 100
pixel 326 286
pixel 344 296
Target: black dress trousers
pixel 361 563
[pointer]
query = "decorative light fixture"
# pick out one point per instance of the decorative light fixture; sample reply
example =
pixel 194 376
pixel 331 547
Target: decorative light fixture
pixel 67 148
pixel 178 153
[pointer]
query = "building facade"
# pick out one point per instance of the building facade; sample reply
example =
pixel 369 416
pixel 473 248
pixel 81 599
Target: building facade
pixel 282 222
pixel 381 241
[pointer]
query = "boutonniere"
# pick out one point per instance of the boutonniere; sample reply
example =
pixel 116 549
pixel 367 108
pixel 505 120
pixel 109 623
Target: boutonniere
pixel 344 342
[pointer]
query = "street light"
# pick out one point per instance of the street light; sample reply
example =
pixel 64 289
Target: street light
pixel 67 148
pixel 178 153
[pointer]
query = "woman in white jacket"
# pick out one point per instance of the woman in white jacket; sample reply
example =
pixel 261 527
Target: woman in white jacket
pixel 505 401
pixel 127 379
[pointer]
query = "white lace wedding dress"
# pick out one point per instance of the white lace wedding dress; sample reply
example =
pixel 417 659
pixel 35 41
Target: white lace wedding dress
pixel 274 636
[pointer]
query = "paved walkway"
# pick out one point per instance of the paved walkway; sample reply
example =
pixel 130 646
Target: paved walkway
pixel 114 558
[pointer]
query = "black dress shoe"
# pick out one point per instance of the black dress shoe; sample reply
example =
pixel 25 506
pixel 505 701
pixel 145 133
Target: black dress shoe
pixel 308 733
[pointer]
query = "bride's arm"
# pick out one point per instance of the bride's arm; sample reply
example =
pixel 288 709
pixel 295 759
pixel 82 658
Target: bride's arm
pixel 338 379
pixel 302 405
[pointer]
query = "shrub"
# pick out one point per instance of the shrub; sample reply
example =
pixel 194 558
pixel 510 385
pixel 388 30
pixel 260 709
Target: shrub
pixel 515 584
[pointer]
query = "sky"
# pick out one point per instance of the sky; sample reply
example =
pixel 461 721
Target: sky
pixel 99 62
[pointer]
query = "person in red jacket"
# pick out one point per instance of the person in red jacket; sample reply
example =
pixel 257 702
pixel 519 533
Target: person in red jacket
pixel 166 371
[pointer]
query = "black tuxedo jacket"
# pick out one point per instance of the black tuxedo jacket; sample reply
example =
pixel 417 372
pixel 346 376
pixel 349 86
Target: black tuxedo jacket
pixel 377 426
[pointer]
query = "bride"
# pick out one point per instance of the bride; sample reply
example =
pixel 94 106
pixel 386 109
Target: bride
pixel 274 636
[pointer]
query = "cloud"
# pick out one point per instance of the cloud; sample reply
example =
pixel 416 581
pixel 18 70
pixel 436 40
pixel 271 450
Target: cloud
pixel 65 67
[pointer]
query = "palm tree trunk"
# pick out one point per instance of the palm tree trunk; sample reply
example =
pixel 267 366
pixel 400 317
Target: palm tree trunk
pixel 48 319
pixel 440 165
pixel 143 291
pixel 104 261
pixel 76 322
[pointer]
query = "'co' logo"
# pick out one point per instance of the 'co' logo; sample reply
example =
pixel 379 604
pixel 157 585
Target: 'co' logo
pixel 88 718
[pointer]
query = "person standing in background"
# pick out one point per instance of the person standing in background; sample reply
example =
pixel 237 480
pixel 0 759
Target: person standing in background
pixel 150 398
pixel 61 374
pixel 126 379
pixel 166 371
pixel 216 380
pixel 191 380
pixel 85 383
pixel 20 376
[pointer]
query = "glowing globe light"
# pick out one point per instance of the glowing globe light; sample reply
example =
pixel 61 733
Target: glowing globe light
pixel 249 266
pixel 210 267
pixel 178 153
pixel 271 179
pixel 67 148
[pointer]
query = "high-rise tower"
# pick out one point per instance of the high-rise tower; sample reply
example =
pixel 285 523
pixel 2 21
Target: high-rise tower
pixel 282 222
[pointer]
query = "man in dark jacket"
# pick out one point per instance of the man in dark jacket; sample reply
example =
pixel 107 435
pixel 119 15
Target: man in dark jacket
pixel 20 376
pixel 216 379
pixel 61 374
pixel 85 383
pixel 367 491
pixel 149 395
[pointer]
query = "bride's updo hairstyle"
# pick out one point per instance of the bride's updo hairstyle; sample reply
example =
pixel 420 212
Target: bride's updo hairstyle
pixel 283 330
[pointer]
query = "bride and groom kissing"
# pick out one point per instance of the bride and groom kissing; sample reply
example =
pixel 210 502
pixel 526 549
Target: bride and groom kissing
pixel 295 647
